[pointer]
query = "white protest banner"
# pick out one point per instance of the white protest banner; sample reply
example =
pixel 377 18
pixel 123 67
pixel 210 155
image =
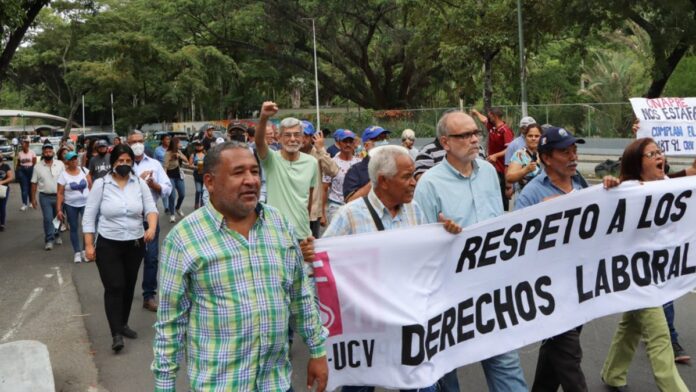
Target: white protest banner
pixel 404 307
pixel 670 121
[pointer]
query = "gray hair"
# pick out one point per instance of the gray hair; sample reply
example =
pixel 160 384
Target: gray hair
pixel 442 123
pixel 383 162
pixel 136 132
pixel 212 158
pixel 408 134
pixel 288 122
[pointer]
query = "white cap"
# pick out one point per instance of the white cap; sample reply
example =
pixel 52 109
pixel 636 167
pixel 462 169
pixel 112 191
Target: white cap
pixel 219 140
pixel 526 121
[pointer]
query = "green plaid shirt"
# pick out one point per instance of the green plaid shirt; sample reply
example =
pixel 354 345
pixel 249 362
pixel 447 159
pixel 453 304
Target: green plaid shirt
pixel 226 301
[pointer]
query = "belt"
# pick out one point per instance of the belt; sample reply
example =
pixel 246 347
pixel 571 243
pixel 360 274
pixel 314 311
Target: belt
pixel 47 194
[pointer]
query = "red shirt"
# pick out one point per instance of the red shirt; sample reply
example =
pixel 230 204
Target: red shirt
pixel 498 139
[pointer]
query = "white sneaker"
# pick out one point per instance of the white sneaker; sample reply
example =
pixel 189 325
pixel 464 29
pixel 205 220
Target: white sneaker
pixel 180 213
pixel 78 257
pixel 49 245
pixel 172 218
pixel 23 207
pixel 83 255
pixel 58 241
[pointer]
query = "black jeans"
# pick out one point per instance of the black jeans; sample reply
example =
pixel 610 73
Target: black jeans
pixel 118 263
pixel 559 364
pixel 503 184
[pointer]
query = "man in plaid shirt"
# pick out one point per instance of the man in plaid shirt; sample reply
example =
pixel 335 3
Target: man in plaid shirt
pixel 231 278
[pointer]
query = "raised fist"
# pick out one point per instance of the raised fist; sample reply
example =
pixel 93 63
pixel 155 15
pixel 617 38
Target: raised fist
pixel 268 109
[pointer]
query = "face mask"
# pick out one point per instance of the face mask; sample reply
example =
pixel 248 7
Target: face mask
pixel 238 137
pixel 381 143
pixel 138 149
pixel 122 170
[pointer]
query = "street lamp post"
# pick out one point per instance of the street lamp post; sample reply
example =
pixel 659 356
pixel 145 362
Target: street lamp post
pixel 523 75
pixel 316 73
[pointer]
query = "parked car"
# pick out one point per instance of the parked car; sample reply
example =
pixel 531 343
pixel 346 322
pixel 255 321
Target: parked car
pixel 153 140
pixel 6 149
pixel 108 136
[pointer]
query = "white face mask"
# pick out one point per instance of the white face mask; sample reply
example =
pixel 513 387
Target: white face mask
pixel 138 149
pixel 381 143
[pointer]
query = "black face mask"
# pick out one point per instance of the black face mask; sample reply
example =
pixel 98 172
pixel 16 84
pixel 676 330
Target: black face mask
pixel 238 137
pixel 122 170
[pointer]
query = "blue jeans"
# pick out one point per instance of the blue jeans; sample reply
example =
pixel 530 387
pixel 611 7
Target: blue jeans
pixel 3 207
pixel 503 373
pixel 49 211
pixel 24 177
pixel 432 388
pixel 178 193
pixel 669 315
pixel 198 201
pixel 74 214
pixel 150 265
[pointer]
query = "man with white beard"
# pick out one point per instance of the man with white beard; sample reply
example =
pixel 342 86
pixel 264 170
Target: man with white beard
pixel 290 174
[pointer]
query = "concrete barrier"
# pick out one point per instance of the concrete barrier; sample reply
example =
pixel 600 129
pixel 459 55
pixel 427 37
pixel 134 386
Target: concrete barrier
pixel 25 366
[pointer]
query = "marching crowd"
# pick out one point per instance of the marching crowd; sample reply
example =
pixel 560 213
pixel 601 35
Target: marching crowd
pixel 232 283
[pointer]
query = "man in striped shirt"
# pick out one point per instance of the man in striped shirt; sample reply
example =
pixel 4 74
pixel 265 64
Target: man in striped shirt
pixel 230 279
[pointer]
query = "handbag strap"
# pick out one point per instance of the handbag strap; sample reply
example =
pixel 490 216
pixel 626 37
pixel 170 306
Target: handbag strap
pixel 375 217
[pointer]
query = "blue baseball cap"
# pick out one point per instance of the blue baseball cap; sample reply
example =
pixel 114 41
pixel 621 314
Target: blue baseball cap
pixel 70 155
pixel 308 128
pixel 346 134
pixel 556 138
pixel 372 132
pixel 337 133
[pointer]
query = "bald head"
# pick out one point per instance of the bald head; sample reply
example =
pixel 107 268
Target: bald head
pixel 453 120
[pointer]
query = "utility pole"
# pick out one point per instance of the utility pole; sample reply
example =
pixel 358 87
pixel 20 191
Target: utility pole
pixel 523 73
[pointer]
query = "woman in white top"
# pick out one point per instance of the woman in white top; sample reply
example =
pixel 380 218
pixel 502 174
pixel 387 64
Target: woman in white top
pixel 121 201
pixel 73 188
pixel 408 139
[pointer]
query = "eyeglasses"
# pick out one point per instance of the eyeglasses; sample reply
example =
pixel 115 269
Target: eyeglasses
pixel 296 135
pixel 466 135
pixel 654 154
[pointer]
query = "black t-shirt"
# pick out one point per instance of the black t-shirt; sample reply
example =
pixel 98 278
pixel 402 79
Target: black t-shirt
pixel 356 177
pixel 207 141
pixel 4 169
pixel 99 166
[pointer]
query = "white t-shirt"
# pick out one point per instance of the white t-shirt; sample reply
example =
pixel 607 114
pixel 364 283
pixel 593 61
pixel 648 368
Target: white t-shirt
pixel 336 189
pixel 76 189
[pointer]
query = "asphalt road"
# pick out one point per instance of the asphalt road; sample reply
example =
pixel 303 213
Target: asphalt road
pixel 44 296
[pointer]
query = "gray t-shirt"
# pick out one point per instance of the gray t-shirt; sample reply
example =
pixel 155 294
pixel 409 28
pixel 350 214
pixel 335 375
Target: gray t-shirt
pixel 99 166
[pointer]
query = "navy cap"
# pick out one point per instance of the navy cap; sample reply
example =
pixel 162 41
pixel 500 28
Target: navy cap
pixel 555 138
pixel 101 143
pixel 308 128
pixel 47 145
pixel 372 132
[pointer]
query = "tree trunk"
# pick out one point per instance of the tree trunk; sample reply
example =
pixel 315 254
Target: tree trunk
pixel 15 38
pixel 664 69
pixel 487 82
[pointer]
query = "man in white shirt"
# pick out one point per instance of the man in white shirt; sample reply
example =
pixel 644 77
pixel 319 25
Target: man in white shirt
pixel 152 172
pixel 44 180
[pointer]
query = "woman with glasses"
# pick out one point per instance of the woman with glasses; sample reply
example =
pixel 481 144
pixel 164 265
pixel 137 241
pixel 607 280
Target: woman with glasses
pixel 642 160
pixel 525 163
pixel 71 198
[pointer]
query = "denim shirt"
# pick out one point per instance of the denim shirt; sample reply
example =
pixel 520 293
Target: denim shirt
pixel 121 212
pixel 541 187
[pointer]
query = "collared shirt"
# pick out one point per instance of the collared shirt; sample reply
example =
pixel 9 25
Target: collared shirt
pixel 512 148
pixel 356 177
pixel 464 199
pixel 541 187
pixel 354 217
pixel 429 156
pixel 327 167
pixel 159 154
pixel 158 174
pixel 225 301
pixel 498 138
pixel 46 176
pixel 121 212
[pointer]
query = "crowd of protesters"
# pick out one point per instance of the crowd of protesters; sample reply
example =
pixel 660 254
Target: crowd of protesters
pixel 263 195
